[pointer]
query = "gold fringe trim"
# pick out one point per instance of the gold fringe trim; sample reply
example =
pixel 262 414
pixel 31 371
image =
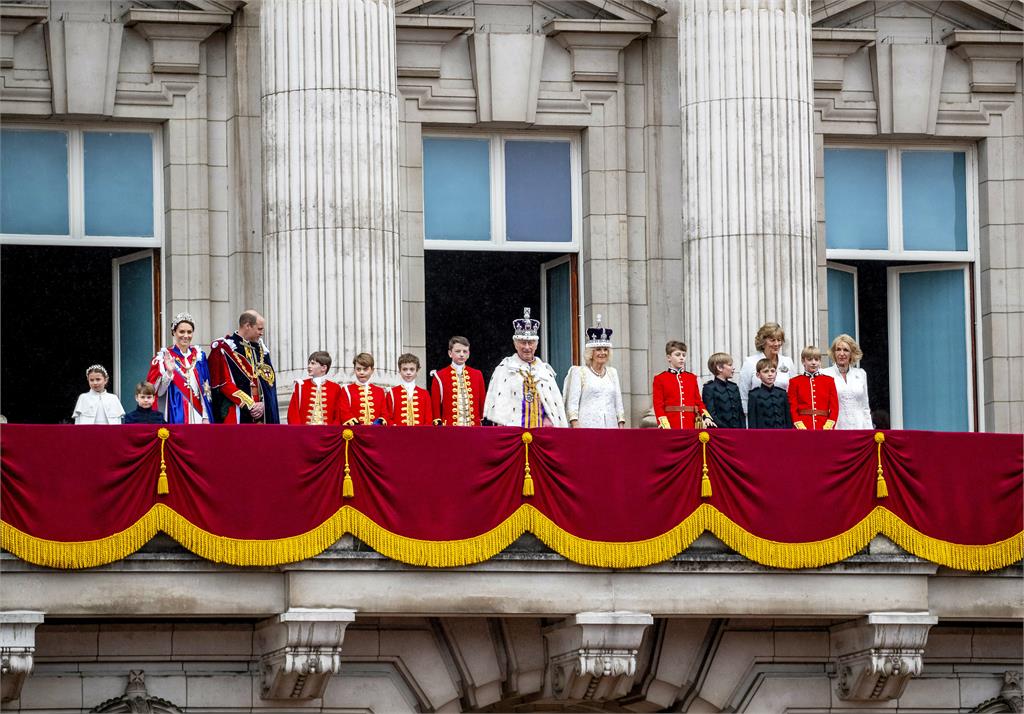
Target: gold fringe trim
pixel 429 553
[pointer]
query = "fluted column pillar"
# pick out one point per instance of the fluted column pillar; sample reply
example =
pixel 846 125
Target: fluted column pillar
pixel 748 174
pixel 330 181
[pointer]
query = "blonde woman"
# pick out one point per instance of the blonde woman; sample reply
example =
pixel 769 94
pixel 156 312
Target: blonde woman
pixel 593 398
pixel 768 341
pixel 851 384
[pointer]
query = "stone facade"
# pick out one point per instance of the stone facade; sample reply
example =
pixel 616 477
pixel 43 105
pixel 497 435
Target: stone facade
pixel 679 238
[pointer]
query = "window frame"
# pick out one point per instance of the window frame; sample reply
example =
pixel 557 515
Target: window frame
pixel 76 188
pixel 893 274
pixel 851 270
pixel 499 240
pixel 894 193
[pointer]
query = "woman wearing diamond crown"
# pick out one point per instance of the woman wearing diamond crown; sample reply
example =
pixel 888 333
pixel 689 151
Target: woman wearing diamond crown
pixel 593 397
pixel 181 375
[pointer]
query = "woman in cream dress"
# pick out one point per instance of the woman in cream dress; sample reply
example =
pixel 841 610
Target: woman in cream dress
pixel 593 397
pixel 851 384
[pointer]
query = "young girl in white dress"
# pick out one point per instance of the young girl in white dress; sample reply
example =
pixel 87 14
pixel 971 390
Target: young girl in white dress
pixel 593 398
pixel 98 406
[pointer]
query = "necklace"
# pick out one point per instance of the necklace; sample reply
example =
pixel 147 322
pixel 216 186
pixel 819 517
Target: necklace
pixel 596 373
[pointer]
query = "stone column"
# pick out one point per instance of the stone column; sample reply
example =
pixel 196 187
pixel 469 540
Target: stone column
pixel 330 182
pixel 748 174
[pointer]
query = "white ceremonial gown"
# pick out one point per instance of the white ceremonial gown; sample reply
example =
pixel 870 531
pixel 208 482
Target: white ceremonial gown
pixel 594 402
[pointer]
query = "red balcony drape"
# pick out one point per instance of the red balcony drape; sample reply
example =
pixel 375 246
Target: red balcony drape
pixel 81 496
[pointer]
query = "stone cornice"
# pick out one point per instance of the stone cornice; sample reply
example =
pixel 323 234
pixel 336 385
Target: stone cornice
pixel 15 19
pixel 992 57
pixel 420 39
pixel 175 35
pixel 595 45
pixel 831 47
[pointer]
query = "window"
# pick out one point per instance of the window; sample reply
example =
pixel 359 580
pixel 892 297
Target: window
pixel 501 192
pixel 900 229
pixel 79 186
pixel 898 203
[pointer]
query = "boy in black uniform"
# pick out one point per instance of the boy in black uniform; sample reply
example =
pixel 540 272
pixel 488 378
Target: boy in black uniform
pixel 722 397
pixel 145 395
pixel 768 405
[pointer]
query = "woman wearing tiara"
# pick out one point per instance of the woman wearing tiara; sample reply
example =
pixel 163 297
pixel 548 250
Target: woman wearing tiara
pixel 181 376
pixel 593 397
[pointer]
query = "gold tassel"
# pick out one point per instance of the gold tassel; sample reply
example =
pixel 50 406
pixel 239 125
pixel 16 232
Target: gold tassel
pixel 347 491
pixel 161 483
pixel 881 489
pixel 705 481
pixel 528 483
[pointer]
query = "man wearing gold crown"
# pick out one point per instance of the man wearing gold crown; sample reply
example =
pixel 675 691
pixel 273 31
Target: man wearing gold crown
pixel 242 375
pixel 523 390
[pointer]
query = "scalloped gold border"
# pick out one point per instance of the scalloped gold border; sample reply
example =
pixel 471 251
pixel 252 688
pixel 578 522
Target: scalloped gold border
pixel 526 518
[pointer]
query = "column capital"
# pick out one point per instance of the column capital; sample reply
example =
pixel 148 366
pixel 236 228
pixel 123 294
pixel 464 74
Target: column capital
pixel 592 655
pixel 299 650
pixel 878 654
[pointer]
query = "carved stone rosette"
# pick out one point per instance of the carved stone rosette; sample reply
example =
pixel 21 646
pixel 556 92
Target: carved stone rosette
pixel 877 656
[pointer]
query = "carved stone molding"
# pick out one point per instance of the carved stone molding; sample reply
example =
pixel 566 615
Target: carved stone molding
pixel 84 57
pixel 831 47
pixel 592 655
pixel 504 91
pixel 15 19
pixel 595 45
pixel 877 655
pixel 991 57
pixel 175 35
pixel 17 646
pixel 420 39
pixel 1010 699
pixel 907 81
pixel 136 699
pixel 299 651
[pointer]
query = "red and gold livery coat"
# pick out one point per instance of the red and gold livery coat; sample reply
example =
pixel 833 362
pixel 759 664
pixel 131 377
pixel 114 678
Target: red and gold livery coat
pixel 813 401
pixel 316 404
pixel 363 404
pixel 677 400
pixel 406 411
pixel 457 398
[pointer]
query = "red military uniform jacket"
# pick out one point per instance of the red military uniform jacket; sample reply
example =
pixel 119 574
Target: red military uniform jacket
pixel 403 411
pixel 314 403
pixel 363 404
pixel 677 400
pixel 813 402
pixel 457 399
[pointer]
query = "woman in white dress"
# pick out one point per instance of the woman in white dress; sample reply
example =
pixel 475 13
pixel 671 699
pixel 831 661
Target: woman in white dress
pixel 593 398
pixel 768 341
pixel 851 384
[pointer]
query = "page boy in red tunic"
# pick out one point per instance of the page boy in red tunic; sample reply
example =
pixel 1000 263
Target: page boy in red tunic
pixel 813 401
pixel 677 401
pixel 409 405
pixel 316 399
pixel 457 391
pixel 364 403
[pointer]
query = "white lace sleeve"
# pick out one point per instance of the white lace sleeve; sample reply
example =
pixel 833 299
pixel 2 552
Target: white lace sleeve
pixel 572 389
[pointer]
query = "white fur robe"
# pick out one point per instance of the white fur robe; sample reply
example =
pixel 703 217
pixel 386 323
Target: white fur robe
pixel 504 403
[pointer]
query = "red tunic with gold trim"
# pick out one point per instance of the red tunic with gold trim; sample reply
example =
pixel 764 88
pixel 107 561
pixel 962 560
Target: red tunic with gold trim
pixel 813 401
pixel 457 398
pixel 403 411
pixel 677 400
pixel 316 404
pixel 363 404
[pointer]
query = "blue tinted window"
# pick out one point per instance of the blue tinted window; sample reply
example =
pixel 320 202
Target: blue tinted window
pixel 34 182
pixel 856 203
pixel 456 189
pixel 934 200
pixel 933 343
pixel 135 326
pixel 538 196
pixel 118 184
pixel 842 305
pixel 559 319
